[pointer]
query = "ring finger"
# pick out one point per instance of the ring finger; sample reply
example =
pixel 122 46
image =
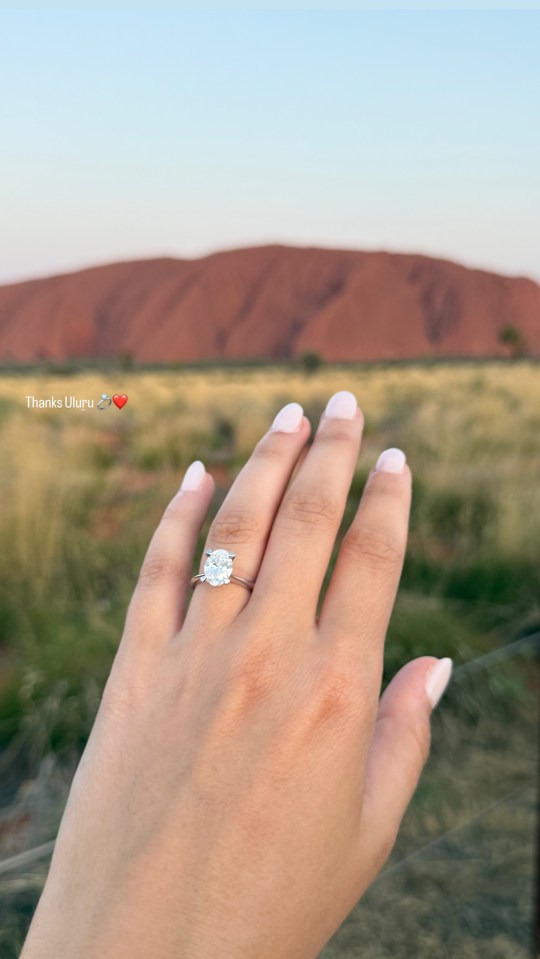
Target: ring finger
pixel 244 520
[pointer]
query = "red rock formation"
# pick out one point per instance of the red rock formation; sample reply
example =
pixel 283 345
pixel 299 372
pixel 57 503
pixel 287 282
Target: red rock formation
pixel 269 302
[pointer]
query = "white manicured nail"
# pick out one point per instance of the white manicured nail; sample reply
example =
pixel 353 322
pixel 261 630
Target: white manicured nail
pixel 341 406
pixel 437 680
pixel 288 419
pixel 193 477
pixel 391 461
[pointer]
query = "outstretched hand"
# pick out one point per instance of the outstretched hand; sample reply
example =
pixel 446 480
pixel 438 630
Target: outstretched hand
pixel 243 783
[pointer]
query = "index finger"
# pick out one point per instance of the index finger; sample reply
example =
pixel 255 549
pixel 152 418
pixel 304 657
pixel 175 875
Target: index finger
pixel 363 586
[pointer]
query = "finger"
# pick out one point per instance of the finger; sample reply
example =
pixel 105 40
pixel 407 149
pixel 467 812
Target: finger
pixel 399 750
pixel 158 603
pixel 244 520
pixel 363 586
pixel 308 519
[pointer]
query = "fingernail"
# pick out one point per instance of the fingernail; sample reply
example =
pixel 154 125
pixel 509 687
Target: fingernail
pixel 437 680
pixel 391 461
pixel 288 419
pixel 193 477
pixel 341 406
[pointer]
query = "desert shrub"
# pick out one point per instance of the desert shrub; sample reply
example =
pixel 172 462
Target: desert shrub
pixel 310 362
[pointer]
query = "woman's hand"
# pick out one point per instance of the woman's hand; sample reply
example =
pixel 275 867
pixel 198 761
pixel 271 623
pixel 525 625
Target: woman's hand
pixel 242 784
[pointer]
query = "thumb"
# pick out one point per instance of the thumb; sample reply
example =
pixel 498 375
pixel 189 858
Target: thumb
pixel 399 750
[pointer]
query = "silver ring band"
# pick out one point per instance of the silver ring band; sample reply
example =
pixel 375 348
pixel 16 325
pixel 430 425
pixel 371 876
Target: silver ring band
pixel 233 578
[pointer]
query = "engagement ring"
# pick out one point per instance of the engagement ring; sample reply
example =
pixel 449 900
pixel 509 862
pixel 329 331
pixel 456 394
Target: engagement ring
pixel 218 570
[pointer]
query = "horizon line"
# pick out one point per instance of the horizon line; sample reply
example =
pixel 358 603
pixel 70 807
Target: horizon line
pixel 338 248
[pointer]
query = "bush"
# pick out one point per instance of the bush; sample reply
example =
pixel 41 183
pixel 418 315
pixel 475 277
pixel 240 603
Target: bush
pixel 513 339
pixel 310 362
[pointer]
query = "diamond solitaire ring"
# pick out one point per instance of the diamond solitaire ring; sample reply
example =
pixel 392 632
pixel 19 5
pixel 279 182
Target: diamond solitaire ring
pixel 218 570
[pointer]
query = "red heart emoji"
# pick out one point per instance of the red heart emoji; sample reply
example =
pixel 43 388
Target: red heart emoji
pixel 119 401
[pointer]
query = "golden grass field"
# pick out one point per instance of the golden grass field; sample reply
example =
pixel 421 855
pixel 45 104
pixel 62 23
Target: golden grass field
pixel 465 428
pixel 81 492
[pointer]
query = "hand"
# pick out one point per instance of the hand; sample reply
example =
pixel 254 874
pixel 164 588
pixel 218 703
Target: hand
pixel 242 784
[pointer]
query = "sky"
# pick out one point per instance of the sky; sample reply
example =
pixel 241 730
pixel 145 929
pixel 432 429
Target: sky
pixel 128 132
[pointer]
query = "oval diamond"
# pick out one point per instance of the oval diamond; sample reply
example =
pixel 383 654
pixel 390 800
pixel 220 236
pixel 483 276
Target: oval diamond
pixel 218 567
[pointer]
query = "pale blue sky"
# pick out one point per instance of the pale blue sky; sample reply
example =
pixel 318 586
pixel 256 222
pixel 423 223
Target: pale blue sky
pixel 137 133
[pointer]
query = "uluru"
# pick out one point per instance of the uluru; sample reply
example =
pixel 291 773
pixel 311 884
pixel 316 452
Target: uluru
pixel 271 302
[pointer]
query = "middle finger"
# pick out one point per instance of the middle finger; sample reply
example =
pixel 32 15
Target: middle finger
pixel 306 524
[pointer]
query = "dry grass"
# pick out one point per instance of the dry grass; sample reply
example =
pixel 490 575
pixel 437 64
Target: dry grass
pixel 461 426
pixel 80 495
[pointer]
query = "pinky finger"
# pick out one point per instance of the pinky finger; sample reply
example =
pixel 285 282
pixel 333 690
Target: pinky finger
pixel 399 750
pixel 159 602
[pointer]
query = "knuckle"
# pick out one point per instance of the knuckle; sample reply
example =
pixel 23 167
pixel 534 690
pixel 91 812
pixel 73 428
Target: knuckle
pixel 387 484
pixel 174 511
pixel 338 693
pixel 232 525
pixel 375 547
pixel 414 731
pixel 306 508
pixel 267 450
pixel 336 433
pixel 157 569
pixel 255 674
pixel 420 734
